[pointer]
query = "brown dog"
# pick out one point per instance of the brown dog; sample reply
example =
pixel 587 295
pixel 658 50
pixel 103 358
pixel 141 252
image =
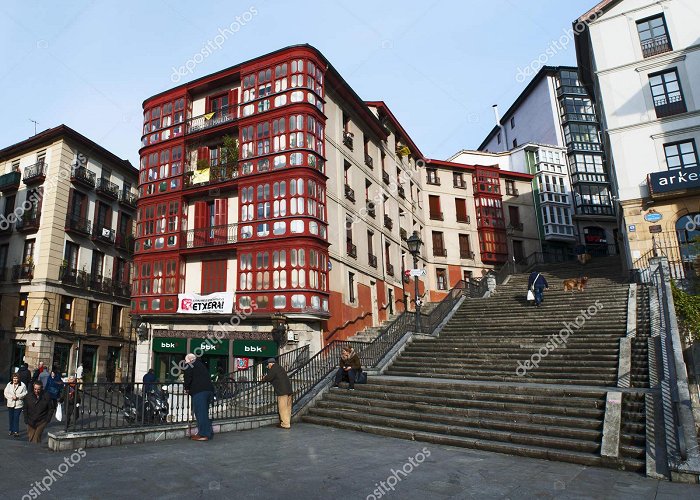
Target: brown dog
pixel 575 284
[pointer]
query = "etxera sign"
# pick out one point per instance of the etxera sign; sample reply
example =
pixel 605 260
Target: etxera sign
pixel 674 180
pixel 255 348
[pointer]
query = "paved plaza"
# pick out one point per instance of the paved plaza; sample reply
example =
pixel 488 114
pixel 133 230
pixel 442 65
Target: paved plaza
pixel 310 462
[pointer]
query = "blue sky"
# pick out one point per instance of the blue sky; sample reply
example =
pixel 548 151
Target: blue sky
pixel 439 65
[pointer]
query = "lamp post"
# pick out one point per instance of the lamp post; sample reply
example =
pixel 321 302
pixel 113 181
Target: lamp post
pixel 414 242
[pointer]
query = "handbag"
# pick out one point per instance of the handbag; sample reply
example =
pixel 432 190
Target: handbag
pixel 59 412
pixel 530 295
pixel 530 291
pixel 361 378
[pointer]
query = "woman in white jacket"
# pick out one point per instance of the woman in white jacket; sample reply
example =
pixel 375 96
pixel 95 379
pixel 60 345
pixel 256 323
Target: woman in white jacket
pixel 15 392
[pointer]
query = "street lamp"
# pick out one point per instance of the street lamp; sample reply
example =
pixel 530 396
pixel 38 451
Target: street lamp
pixel 414 242
pixel 279 329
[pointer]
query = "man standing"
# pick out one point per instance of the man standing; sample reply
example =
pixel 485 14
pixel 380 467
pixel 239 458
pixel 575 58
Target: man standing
pixel 198 385
pixel 38 371
pixel 149 380
pixel 37 412
pixel 25 376
pixel 283 389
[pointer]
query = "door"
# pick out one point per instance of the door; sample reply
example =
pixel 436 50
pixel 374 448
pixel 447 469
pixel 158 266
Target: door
pixel 219 106
pixel 518 251
pixel 114 356
pixel 217 365
pixel 61 357
pixel 89 360
pixel 391 301
pixel 103 218
pixel 375 303
pixel 200 224
pixel 219 221
pixel 163 364
pixel 19 349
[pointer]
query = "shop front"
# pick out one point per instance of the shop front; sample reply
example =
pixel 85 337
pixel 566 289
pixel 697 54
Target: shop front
pixel 168 353
pixel 215 355
pixel 250 356
pixel 61 357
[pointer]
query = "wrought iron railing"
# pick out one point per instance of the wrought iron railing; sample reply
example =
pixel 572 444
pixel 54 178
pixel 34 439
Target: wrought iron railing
pixel 22 272
pixel 11 180
pixel 35 172
pixel 212 119
pixel 84 176
pixel 128 198
pixel 108 188
pixel 210 236
pixel 80 224
pixel 656 45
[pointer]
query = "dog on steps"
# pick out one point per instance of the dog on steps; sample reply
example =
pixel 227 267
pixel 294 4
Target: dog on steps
pixel 575 284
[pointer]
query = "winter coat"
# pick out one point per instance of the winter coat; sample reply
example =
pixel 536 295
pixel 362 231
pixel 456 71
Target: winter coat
pixel 352 360
pixel 25 376
pixel 279 380
pixel 15 391
pixel 197 378
pixel 37 408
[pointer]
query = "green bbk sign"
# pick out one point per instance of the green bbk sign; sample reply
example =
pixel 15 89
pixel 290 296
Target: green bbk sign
pixel 254 348
pixel 212 346
pixel 163 344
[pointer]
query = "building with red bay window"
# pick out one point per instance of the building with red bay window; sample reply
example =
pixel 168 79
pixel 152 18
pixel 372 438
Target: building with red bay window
pixel 271 187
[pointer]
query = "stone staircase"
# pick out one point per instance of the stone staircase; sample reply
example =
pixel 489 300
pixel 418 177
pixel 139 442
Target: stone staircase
pixel 372 332
pixel 498 379
pixel 640 343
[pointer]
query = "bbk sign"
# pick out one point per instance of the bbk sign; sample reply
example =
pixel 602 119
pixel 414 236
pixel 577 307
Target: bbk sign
pixel 214 303
pixel 164 344
pixel 674 180
pixel 254 348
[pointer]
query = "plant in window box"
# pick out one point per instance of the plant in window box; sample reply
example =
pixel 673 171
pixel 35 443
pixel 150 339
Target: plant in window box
pixel 402 150
pixel 229 150
pixel 202 163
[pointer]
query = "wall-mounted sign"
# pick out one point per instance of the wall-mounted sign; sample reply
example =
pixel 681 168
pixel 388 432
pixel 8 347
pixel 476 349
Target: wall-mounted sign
pixel 209 346
pixel 214 303
pixel 163 344
pixel 655 229
pixel 653 217
pixel 674 180
pixel 255 348
pixel 632 228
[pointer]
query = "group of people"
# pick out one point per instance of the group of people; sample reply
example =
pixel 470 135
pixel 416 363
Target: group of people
pixel 38 395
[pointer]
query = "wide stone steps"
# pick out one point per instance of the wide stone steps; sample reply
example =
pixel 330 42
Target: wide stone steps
pixel 533 376
pixel 556 424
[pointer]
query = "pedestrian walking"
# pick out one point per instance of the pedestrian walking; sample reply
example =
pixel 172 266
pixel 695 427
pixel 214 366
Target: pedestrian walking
pixel 198 385
pixel 25 376
pixel 15 393
pixel 37 412
pixel 71 396
pixel 38 371
pixel 537 284
pixel 348 367
pixel 44 377
pixel 149 380
pixel 283 390
pixel 54 388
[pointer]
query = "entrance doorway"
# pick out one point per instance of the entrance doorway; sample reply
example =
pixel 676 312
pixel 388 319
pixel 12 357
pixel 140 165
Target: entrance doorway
pixel 217 365
pixel 596 242
pixel 19 349
pixel 518 251
pixel 114 358
pixel 375 303
pixel 89 360
pixel 163 364
pixel 61 357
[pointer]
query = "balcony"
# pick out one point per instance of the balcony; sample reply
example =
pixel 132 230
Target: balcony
pixel 79 225
pixel 655 46
pixel 402 192
pixel 22 272
pixel 404 234
pixel 36 174
pixel 73 277
pixel 127 198
pixel 103 234
pixel 121 289
pixel 371 209
pixel 461 219
pixel 351 249
pixel 433 180
pixel 9 182
pixel 439 252
pixel 97 283
pixel 125 242
pixel 372 259
pixel 669 106
pixel 386 178
pixel 518 226
pixel 571 89
pixel 209 237
pixel 217 173
pixel 107 188
pixel 390 269
pixel 349 193
pixel 460 184
pixel 369 161
pixel 212 119
pixel 93 328
pixel 388 223
pixel 81 175
pixel 29 221
pixel 512 192
pixel 347 140
pixel 66 326
pixel 578 117
pixel 583 146
pixel 466 254
pixel 437 216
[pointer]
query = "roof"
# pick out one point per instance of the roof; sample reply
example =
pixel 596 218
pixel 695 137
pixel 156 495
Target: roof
pixel 63 131
pixel 600 8
pixel 382 107
pixel 541 74
pixel 472 168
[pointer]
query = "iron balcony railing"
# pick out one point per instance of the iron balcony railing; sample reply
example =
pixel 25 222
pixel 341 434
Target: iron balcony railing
pixel 385 177
pixel 121 288
pixel 10 181
pixel 669 106
pixel 73 277
pixel 22 272
pixel 388 223
pixel 433 180
pixel 83 176
pixel 371 209
pixel 351 249
pixel 437 216
pixel 107 188
pixel 212 119
pixel 439 252
pixel 372 259
pixel 79 224
pixel 29 221
pixel 348 140
pixel 125 242
pixel 463 219
pixel 350 193
pixel 656 45
pixel 35 173
pixel 128 198
pixel 571 89
pixel 402 192
pixel 403 234
pixel 584 146
pixel 466 254
pixel 210 236
pixel 368 161
pixel 390 269
pixel 217 173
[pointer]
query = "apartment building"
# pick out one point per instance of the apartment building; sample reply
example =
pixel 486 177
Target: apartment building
pixel 65 249
pixel 639 60
pixel 555 109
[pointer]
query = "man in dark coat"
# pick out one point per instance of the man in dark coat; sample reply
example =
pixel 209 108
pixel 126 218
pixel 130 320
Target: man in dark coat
pixel 198 385
pixel 37 413
pixel 283 390
pixel 25 376
pixel 538 284
pixel 149 380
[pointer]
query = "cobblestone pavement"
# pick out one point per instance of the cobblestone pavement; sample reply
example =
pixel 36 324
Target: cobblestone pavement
pixel 308 462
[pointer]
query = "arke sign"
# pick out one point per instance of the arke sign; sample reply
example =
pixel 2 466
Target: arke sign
pixel 674 180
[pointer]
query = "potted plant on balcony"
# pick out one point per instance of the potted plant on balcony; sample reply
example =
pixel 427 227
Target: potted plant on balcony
pixel 62 269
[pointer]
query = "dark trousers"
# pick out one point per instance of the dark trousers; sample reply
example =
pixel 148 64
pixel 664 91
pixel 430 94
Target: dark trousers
pixel 349 375
pixel 200 405
pixel 14 414
pixel 539 295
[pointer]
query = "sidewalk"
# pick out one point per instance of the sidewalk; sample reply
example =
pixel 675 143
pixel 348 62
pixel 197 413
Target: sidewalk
pixel 311 462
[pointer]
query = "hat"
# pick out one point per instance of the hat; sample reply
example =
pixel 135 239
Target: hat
pixel 270 360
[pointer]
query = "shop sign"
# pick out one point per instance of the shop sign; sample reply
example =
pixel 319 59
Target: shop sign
pixel 655 229
pixel 163 344
pixel 209 346
pixel 653 217
pixel 674 180
pixel 214 303
pixel 255 348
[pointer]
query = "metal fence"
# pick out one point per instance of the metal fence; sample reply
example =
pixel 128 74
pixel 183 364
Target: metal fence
pixel 681 260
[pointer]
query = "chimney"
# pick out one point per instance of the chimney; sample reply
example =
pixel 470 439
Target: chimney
pixel 496 114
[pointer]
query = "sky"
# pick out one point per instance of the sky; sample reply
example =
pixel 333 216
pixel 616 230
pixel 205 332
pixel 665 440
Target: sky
pixel 439 65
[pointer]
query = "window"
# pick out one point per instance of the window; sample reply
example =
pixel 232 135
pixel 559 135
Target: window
pixel 439 244
pixel 28 255
pixel 465 250
pixel 116 319
pixel 592 200
pixel 433 177
pixel 71 256
pixel 681 155
pixel 578 108
pixel 461 208
pixel 510 188
pixel 582 136
pixel 9 205
pixel 22 309
pixel 515 143
pixel 458 180
pixel 434 204
pixel 514 217
pixel 512 122
pixel 441 275
pixel 65 313
pixel 667 94
pixel 351 287
pixel 92 317
pixel 213 276
pixel 653 35
pixel 499 138
pixel 587 167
